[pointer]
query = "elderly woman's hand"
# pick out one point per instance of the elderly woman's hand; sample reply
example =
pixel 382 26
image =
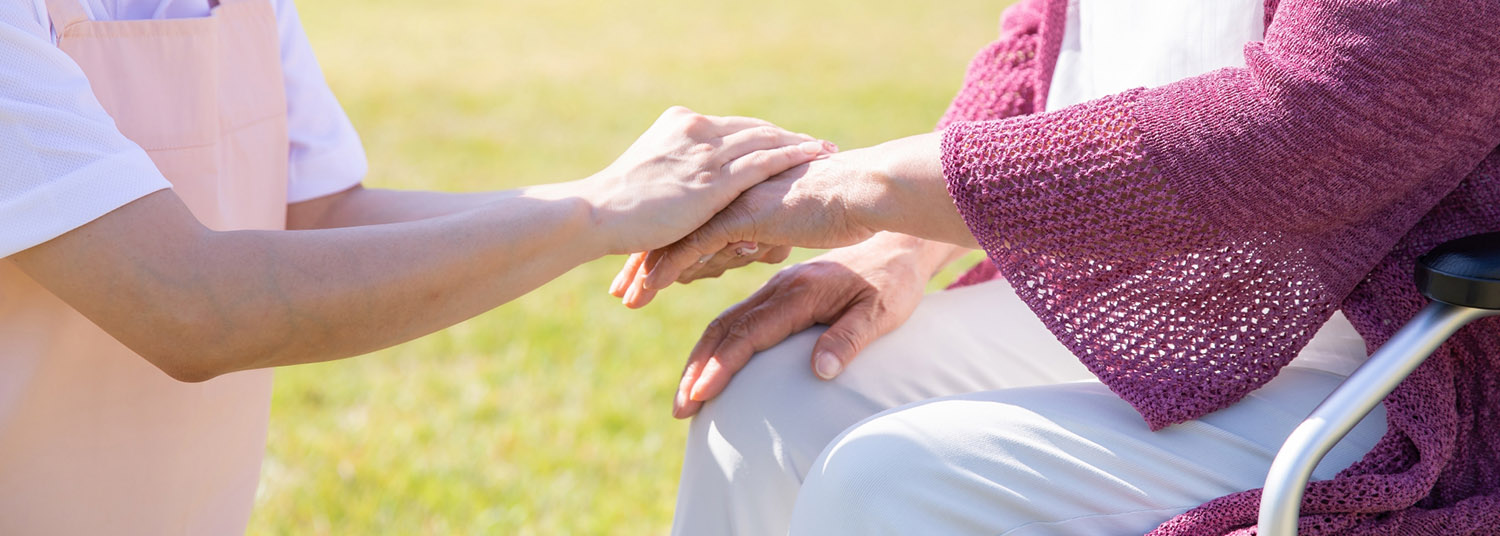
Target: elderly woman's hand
pixel 685 168
pixel 736 255
pixel 861 292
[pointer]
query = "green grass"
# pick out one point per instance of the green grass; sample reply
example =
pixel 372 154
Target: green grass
pixel 549 415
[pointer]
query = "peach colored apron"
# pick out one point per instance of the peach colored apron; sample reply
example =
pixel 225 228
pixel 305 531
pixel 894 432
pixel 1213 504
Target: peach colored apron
pixel 93 439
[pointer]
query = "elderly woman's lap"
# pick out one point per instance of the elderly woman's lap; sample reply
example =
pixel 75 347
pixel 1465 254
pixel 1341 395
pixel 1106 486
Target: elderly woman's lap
pixel 1030 440
pixel 1060 459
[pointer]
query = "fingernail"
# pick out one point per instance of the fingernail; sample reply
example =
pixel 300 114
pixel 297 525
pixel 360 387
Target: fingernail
pixel 614 287
pixel 700 387
pixel 810 147
pixel 704 259
pixel 830 146
pixel 630 293
pixel 750 250
pixel 696 393
pixel 827 365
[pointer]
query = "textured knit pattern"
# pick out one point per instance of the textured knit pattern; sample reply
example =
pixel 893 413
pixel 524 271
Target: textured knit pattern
pixel 1187 241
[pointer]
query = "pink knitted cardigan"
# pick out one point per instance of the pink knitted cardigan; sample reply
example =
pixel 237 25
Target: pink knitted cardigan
pixel 1186 241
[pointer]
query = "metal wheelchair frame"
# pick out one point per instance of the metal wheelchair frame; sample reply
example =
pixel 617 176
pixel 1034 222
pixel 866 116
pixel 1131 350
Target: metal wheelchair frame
pixel 1463 279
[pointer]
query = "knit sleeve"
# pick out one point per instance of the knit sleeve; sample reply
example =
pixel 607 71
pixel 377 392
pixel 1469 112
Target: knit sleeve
pixel 1006 78
pixel 1186 241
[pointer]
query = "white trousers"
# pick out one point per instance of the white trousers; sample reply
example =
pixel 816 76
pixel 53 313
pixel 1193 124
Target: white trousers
pixel 972 419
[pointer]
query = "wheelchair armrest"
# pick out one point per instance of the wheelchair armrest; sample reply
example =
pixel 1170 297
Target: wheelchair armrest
pixel 1463 272
pixel 1462 277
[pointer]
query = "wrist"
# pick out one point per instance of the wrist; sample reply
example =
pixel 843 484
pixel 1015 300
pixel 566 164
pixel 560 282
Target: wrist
pixel 908 176
pixel 580 222
pixel 914 196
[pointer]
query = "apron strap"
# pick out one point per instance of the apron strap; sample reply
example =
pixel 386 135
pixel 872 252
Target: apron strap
pixel 65 13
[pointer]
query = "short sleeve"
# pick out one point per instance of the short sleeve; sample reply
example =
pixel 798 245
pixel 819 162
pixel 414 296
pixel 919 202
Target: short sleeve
pixel 63 163
pixel 326 155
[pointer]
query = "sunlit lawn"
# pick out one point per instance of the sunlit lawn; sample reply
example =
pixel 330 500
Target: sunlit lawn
pixel 549 415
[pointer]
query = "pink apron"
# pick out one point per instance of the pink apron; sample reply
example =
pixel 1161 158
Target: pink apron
pixel 94 439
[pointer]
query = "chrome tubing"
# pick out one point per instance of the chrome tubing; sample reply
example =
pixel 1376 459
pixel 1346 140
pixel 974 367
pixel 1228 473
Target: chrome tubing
pixel 1281 501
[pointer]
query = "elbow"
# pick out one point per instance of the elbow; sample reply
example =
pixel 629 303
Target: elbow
pixel 188 347
pixel 187 372
pixel 188 364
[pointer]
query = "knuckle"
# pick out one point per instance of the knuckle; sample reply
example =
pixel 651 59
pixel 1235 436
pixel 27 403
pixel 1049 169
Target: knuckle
pixel 695 122
pixel 794 293
pixel 701 149
pixel 779 278
pixel 750 163
pixel 767 132
pixel 716 328
pixel 798 278
pixel 739 332
pixel 787 274
pixel 843 336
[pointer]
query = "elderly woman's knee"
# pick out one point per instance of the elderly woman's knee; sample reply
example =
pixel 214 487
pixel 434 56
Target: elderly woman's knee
pixel 879 464
pixel 772 387
pixel 861 475
pixel 883 464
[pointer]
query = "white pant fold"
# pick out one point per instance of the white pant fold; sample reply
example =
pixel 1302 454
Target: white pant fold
pixel 972 419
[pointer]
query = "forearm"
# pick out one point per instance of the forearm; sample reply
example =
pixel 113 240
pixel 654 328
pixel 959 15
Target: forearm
pixel 372 206
pixel 199 303
pixel 911 194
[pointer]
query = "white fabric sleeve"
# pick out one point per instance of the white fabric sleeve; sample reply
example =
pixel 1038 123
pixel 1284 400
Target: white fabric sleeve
pixel 326 155
pixel 63 163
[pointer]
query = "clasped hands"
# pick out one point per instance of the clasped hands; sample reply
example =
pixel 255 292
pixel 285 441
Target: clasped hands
pixel 862 290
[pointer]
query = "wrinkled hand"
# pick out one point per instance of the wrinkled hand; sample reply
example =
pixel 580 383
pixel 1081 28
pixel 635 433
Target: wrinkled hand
pixel 683 170
pixel 821 204
pixel 862 292
pixel 733 256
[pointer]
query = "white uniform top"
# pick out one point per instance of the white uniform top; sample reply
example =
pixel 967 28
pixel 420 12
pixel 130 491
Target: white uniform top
pixel 62 161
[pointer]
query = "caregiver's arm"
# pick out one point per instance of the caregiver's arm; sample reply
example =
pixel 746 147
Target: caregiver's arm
pixel 198 303
pixel 373 206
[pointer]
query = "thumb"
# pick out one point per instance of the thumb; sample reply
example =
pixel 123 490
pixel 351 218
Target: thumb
pixel 844 339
